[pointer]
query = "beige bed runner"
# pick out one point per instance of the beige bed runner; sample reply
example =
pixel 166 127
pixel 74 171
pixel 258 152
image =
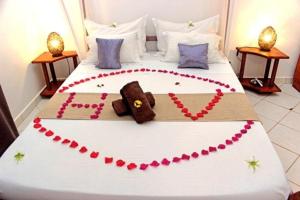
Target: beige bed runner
pixel 183 107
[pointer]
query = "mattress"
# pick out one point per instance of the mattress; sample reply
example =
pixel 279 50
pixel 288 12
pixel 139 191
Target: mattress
pixel 51 170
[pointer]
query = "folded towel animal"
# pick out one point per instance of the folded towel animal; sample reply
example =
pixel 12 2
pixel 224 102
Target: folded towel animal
pixel 121 109
pixel 137 102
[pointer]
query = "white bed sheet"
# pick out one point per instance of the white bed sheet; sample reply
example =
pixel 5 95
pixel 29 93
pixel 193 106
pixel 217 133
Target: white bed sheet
pixel 52 171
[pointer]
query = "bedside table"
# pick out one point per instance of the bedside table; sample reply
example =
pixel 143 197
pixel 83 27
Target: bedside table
pixel 45 58
pixel 268 83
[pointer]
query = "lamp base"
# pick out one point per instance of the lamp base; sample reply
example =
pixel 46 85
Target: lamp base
pixel 56 55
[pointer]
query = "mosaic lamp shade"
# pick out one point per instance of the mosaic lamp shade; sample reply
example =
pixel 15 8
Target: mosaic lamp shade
pixel 55 44
pixel 267 38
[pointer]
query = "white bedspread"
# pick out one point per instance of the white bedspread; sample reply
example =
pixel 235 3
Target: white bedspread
pixel 53 171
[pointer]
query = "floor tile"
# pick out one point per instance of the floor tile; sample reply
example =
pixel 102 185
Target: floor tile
pixel 292 120
pixel 283 100
pixel 287 157
pixel 289 89
pixel 254 100
pixel 254 94
pixel 293 173
pixel 267 123
pixel 270 110
pixel 28 119
pixel 42 103
pixel 286 137
pixel 295 188
pixel 297 108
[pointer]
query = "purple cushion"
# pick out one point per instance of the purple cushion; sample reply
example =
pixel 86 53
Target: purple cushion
pixel 109 53
pixel 193 56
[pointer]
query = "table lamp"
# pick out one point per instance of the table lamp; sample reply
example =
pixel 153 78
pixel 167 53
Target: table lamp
pixel 55 44
pixel 267 38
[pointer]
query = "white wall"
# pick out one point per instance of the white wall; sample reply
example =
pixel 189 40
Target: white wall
pixel 249 17
pixel 24 26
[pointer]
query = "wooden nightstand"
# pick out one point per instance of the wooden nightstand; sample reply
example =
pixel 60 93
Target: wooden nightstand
pixel 268 83
pixel 45 58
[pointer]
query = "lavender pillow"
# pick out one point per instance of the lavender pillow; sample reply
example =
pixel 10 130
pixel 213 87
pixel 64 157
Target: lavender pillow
pixel 109 53
pixel 193 56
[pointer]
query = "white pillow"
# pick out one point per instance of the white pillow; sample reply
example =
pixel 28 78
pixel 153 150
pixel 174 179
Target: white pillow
pixel 138 26
pixel 129 50
pixel 209 25
pixel 173 38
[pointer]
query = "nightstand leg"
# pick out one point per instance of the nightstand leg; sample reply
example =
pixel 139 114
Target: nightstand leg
pixel 44 67
pixel 274 71
pixel 53 73
pixel 267 71
pixel 75 61
pixel 244 56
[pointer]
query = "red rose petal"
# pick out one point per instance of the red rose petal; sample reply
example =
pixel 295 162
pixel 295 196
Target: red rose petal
pixel 108 160
pixel 204 152
pixel 209 107
pixel 131 166
pixel 94 154
pixel 250 122
pixel 194 118
pixel 79 105
pixel 143 166
pixel 176 159
pixel 87 105
pixel 66 141
pixel 232 90
pixel 73 144
pixel 184 110
pixel 185 157
pixel 94 116
pixel 171 94
pixel 83 149
pixel 94 105
pixel 49 133
pixel 199 115
pixel 238 135
pixel 174 98
pixel 212 149
pixel 235 139
pixel 228 142
pixel 243 131
pixel 204 112
pixel 36 126
pixel 221 146
pixel 154 163
pixel 195 155
pixel 120 163
pixel 37 120
pixel 42 129
pixel 165 162
pixel 247 126
pixel 56 138
pixel 188 114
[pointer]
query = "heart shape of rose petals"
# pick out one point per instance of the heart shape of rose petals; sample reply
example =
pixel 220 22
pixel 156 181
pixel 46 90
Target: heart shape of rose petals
pixel 154 163
pixel 108 160
pixel 131 166
pixel 49 133
pixel 143 166
pixel 165 162
pixel 56 138
pixel 120 163
pixel 73 144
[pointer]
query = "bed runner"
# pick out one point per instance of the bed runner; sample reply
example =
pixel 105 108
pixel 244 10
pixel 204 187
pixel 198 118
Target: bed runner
pixel 168 107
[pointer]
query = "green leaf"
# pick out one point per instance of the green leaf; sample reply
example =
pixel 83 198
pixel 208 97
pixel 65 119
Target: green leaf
pixel 19 156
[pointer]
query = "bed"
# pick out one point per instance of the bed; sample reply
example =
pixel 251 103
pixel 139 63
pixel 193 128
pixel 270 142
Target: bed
pixel 205 160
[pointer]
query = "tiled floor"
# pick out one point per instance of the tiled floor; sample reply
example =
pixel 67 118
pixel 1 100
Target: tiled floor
pixel 280 115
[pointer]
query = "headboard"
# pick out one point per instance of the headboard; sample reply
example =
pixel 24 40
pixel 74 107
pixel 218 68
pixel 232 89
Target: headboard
pixel 120 11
